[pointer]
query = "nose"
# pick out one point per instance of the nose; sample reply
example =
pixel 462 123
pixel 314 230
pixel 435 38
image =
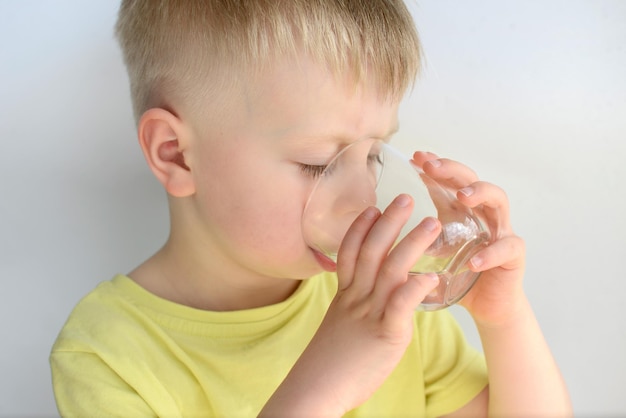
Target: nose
pixel 347 188
pixel 356 188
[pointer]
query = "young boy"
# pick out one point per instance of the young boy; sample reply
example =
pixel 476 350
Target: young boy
pixel 239 104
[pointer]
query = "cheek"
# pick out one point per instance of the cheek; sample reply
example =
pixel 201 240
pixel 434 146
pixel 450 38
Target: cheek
pixel 272 227
pixel 265 231
pixel 260 209
pixel 273 211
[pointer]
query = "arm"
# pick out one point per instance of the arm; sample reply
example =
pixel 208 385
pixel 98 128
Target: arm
pixel 368 325
pixel 524 379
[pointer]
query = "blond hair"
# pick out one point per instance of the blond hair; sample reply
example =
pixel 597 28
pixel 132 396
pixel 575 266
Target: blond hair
pixel 172 48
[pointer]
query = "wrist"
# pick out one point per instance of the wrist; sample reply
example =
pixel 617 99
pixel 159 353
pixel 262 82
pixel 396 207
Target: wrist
pixel 514 310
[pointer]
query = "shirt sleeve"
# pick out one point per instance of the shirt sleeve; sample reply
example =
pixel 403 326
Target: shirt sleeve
pixel 454 372
pixel 85 386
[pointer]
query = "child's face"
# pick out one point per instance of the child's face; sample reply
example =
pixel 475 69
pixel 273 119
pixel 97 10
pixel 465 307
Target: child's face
pixel 250 171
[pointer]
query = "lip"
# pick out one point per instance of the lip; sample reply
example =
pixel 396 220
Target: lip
pixel 326 263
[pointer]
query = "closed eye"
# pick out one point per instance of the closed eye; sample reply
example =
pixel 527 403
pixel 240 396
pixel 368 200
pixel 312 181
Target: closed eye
pixel 374 158
pixel 312 170
pixel 315 171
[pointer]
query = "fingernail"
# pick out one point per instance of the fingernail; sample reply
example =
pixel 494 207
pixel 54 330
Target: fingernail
pixel 476 261
pixel 403 200
pixel 435 163
pixel 467 191
pixel 430 224
pixel 370 213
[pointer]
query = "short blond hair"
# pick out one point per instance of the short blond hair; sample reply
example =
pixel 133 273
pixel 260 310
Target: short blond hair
pixel 172 48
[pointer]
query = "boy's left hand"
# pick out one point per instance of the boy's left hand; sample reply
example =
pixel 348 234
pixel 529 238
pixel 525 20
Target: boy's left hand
pixel 498 293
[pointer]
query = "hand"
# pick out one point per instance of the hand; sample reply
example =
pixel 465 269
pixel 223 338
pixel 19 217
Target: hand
pixel 374 308
pixel 498 294
pixel 369 323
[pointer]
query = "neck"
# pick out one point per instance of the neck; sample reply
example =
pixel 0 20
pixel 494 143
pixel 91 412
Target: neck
pixel 179 274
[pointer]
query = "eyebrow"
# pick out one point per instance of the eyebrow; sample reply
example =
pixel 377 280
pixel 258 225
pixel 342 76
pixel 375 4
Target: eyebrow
pixel 345 139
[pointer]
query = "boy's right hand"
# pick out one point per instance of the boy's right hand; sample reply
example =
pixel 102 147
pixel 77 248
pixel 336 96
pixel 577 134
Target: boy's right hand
pixel 369 324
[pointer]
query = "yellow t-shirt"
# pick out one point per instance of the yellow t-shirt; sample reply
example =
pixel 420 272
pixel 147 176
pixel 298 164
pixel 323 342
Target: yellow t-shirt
pixel 126 352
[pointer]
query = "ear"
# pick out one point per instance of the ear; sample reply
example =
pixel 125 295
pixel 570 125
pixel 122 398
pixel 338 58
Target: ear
pixel 164 140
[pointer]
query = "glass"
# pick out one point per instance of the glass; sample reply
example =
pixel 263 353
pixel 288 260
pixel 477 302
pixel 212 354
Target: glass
pixel 372 173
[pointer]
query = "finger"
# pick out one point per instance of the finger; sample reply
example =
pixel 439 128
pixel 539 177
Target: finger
pixel 507 253
pixel 421 157
pixel 491 202
pixel 405 299
pixel 351 245
pixel 378 242
pixel 449 172
pixel 401 259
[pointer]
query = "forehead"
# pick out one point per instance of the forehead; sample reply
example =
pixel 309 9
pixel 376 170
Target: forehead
pixel 306 98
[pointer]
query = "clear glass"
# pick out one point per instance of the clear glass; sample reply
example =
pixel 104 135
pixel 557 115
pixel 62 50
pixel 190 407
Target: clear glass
pixel 372 173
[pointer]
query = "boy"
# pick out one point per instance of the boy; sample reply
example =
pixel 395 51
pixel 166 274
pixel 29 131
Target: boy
pixel 239 104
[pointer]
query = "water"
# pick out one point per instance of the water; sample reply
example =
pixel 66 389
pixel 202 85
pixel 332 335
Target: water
pixel 455 278
pixel 449 263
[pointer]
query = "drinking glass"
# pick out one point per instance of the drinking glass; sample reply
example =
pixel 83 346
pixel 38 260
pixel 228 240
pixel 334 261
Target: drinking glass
pixel 372 173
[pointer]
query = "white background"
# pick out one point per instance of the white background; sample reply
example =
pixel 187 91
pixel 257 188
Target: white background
pixel 531 94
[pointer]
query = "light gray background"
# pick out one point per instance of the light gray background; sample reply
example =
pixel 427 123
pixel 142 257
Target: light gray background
pixel 531 94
